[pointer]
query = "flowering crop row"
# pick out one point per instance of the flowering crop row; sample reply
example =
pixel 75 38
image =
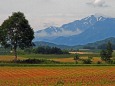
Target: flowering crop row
pixel 57 76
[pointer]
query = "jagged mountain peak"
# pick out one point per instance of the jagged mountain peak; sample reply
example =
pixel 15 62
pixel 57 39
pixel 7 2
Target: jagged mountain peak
pixel 94 18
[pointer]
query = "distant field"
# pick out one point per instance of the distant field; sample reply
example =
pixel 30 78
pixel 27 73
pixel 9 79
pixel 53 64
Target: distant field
pixel 8 58
pixel 61 58
pixel 34 56
pixel 45 56
pixel 95 59
pixel 58 76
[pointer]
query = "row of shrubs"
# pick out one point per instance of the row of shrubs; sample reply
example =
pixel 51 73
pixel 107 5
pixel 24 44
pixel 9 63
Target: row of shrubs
pixel 36 61
pixel 89 60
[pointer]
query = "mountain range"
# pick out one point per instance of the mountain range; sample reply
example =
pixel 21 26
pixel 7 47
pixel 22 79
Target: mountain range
pixel 87 30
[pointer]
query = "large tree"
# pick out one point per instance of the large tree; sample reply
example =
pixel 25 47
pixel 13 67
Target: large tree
pixel 16 32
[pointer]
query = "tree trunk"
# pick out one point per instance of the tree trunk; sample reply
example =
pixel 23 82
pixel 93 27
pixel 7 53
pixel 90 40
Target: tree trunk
pixel 15 54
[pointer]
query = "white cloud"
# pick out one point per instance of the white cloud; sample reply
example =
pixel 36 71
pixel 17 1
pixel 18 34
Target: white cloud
pixel 57 34
pixel 42 34
pixel 98 3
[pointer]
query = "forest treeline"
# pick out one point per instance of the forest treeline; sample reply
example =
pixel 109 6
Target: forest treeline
pixel 46 50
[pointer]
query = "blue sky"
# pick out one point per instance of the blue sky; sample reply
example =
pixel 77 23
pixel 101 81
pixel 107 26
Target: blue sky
pixel 44 13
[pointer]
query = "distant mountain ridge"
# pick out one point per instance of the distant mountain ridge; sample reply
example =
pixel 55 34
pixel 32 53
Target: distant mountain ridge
pixel 94 44
pixel 89 29
pixel 101 42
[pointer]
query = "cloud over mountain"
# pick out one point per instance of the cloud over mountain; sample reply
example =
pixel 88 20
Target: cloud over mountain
pixel 57 32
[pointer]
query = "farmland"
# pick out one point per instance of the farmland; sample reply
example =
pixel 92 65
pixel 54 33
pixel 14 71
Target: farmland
pixel 66 73
pixel 58 76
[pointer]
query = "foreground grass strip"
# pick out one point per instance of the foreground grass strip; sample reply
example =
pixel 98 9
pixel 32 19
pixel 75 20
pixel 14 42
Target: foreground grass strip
pixel 50 65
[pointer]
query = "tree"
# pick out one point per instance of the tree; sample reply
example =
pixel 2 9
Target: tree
pixel 16 32
pixel 76 58
pixel 106 54
pixel 103 55
pixel 109 50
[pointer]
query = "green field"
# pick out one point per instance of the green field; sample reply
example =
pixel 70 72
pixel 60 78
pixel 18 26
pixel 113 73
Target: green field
pixel 46 56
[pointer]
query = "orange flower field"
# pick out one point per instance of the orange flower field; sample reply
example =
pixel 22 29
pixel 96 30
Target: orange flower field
pixel 58 76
